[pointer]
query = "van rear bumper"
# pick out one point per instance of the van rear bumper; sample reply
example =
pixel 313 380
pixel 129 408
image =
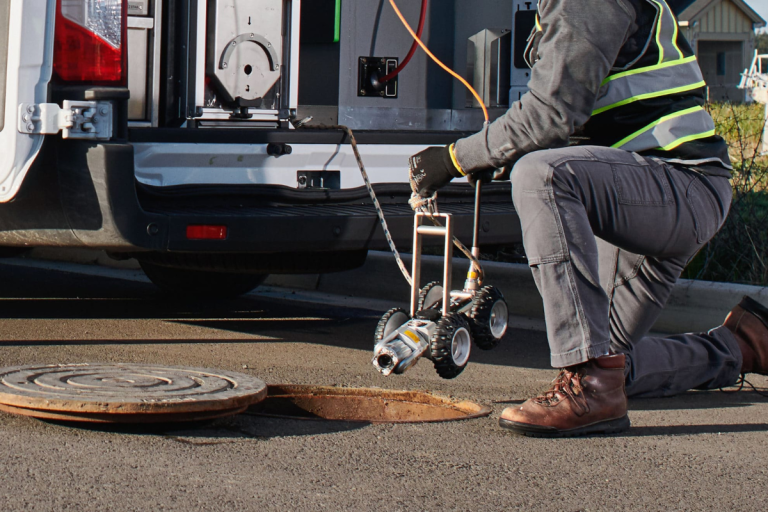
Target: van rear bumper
pixel 80 194
pixel 324 227
pixel 84 194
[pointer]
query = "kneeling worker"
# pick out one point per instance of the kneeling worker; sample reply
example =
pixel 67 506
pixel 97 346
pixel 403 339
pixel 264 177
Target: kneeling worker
pixel 608 227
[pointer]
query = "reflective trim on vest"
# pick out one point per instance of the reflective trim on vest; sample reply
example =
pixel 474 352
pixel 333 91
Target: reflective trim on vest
pixel 635 71
pixel 670 131
pixel 666 33
pixel 673 77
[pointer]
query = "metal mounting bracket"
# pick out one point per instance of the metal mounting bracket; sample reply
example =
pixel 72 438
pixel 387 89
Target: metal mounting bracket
pixel 254 38
pixel 75 119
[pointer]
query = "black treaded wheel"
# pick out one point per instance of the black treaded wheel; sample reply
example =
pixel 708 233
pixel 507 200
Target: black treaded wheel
pixel 390 321
pixel 183 282
pixel 430 294
pixel 488 306
pixel 450 345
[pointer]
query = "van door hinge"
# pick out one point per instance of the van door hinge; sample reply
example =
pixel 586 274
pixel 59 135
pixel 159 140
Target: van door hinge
pixel 75 119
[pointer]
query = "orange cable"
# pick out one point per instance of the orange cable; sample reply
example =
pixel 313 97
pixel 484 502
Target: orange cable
pixel 438 62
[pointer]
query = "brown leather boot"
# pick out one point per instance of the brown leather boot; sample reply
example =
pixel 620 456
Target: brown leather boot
pixel 749 324
pixel 585 399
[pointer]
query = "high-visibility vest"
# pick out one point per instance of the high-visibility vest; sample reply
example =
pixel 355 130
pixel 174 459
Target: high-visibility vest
pixel 655 103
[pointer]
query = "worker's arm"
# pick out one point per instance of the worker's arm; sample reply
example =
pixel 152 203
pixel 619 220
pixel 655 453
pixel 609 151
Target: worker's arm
pixel 579 43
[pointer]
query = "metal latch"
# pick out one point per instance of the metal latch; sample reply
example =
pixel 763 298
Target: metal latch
pixel 75 119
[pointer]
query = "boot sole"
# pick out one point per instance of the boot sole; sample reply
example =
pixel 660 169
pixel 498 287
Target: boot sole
pixel 602 427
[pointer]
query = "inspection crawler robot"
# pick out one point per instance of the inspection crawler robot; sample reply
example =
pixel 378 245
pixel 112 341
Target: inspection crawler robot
pixel 442 323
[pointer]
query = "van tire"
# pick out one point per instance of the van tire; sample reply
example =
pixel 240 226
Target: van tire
pixel 184 282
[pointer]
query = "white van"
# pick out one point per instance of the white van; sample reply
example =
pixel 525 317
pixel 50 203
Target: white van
pixel 178 132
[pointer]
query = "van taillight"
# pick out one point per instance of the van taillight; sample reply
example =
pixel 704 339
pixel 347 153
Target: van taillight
pixel 206 232
pixel 91 41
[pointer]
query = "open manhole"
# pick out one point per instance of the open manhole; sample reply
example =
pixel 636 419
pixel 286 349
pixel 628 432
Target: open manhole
pixel 126 393
pixel 369 405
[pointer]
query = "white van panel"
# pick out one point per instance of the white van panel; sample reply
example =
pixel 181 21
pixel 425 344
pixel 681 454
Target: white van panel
pixel 5 7
pixel 169 164
pixel 30 58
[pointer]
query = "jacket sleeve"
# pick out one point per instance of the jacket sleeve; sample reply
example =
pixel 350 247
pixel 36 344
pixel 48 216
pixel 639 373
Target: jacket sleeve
pixel 579 43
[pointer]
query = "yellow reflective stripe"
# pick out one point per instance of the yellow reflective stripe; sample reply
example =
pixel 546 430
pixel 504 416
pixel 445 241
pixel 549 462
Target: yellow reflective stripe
pixel 538 25
pixel 648 68
pixel 656 122
pixel 454 160
pixel 688 138
pixel 648 95
pixel 658 32
pixel 674 37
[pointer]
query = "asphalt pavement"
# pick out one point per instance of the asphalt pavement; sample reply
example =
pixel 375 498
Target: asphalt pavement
pixel 698 451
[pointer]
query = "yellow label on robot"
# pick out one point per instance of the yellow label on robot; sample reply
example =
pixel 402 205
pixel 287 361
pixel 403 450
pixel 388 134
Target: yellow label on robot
pixel 413 336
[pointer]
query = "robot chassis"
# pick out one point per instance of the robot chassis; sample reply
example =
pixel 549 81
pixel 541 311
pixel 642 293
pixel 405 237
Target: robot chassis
pixel 441 324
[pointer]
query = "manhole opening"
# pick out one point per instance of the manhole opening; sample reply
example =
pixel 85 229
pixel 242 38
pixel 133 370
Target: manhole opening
pixel 369 405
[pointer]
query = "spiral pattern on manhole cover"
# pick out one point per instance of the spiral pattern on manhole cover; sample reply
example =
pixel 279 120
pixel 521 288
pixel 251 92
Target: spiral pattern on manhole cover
pixel 127 389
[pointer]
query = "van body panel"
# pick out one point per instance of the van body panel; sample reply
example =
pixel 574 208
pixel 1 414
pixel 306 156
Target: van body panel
pixel 28 73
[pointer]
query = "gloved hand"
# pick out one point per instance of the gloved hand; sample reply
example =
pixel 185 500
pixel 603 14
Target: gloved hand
pixel 432 169
pixel 501 174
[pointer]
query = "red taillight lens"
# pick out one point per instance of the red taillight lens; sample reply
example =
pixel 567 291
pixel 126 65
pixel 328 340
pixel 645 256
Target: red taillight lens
pixel 206 232
pixel 90 45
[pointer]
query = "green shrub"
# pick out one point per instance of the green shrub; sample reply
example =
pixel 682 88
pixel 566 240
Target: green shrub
pixel 739 252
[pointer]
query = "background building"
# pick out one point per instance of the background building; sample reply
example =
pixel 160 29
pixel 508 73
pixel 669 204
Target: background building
pixel 722 33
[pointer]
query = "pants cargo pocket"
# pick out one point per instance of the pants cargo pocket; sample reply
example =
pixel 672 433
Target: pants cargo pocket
pixel 706 215
pixel 642 185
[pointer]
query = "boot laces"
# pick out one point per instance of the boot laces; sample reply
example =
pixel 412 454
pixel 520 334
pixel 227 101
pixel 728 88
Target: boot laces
pixel 568 383
pixel 739 385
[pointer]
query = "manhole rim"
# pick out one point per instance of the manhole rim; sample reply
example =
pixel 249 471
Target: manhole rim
pixel 110 418
pixel 471 410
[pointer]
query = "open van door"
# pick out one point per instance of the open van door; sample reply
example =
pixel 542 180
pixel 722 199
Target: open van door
pixel 26 56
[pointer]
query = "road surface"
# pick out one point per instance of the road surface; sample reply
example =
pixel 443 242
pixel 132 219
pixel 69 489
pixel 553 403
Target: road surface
pixel 699 451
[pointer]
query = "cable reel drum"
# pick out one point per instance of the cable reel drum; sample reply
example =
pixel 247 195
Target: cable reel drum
pixel 245 48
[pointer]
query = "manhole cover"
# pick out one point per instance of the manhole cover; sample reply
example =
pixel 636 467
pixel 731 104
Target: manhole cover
pixel 126 393
pixel 363 404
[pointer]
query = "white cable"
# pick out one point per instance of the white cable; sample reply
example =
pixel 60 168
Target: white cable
pixel 426 205
pixel 377 206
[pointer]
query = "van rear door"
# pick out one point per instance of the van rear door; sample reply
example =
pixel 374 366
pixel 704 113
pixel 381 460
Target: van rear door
pixel 26 55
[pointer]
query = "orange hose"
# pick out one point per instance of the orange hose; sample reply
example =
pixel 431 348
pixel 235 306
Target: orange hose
pixel 438 62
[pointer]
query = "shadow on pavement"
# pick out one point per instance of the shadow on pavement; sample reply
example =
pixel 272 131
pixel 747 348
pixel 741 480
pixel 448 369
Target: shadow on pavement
pixel 35 293
pixel 266 427
pixel 242 426
pixel 679 430
pixel 697 400
pixel 30 294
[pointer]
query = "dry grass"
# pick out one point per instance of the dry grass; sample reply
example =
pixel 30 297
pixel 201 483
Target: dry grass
pixel 741 126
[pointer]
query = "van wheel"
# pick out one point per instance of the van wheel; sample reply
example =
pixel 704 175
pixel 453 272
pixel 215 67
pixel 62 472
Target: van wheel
pixel 199 283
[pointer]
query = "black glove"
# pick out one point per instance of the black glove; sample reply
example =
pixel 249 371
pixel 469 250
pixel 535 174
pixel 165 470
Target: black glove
pixel 432 169
pixel 500 174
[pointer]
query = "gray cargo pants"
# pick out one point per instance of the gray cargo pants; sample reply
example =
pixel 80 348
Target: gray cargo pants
pixel 607 234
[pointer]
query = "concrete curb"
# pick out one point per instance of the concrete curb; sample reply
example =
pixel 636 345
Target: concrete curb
pixel 693 307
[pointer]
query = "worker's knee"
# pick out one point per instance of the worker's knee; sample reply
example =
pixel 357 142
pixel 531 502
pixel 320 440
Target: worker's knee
pixel 538 171
pixel 533 172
